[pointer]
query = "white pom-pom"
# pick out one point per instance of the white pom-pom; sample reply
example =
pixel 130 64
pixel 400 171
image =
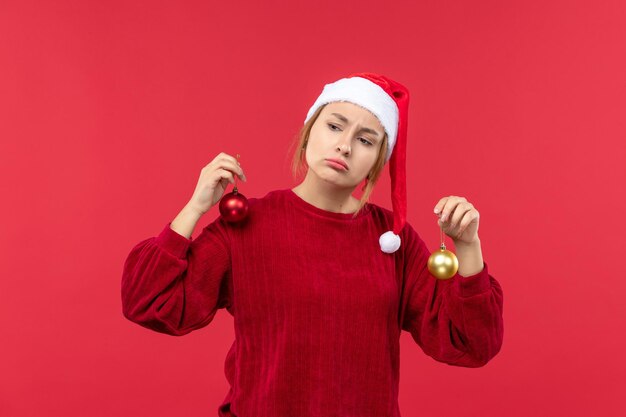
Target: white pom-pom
pixel 389 242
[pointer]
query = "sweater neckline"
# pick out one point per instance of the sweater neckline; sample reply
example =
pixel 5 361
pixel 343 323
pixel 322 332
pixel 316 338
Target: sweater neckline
pixel 296 199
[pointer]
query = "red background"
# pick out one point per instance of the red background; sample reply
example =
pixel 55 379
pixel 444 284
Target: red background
pixel 109 110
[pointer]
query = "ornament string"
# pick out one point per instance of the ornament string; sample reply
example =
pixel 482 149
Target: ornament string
pixel 442 237
pixel 236 175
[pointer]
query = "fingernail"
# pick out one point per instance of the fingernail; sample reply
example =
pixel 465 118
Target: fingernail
pixel 436 211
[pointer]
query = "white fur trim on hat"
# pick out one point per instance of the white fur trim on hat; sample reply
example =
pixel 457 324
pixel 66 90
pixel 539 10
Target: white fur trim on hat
pixel 367 94
pixel 389 242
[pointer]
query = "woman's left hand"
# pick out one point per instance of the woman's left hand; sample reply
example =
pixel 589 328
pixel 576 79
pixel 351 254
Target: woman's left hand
pixel 459 219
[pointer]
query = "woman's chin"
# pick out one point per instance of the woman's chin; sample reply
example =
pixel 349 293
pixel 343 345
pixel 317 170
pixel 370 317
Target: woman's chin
pixel 339 182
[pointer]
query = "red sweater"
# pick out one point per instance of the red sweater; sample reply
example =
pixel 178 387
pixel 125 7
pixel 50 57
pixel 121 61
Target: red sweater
pixel 318 308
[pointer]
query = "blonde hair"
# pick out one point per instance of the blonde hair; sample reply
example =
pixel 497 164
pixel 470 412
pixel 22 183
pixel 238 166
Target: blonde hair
pixel 300 167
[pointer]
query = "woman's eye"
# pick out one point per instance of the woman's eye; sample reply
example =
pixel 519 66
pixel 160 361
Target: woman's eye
pixel 367 142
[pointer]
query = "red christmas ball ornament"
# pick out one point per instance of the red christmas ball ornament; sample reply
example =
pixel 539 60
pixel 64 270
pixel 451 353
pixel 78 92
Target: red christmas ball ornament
pixel 234 206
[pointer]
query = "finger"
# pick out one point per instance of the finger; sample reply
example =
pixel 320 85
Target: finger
pixel 220 158
pixel 234 167
pixel 449 207
pixel 471 216
pixel 223 183
pixel 439 205
pixel 230 158
pixel 445 225
pixel 461 210
pixel 223 156
pixel 226 174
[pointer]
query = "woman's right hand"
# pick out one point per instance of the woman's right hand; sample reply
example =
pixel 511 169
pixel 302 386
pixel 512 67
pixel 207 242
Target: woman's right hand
pixel 214 179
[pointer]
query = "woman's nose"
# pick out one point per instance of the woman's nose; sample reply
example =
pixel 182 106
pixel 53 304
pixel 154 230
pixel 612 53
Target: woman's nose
pixel 343 147
pixel 344 143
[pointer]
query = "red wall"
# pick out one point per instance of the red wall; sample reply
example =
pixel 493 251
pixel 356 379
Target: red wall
pixel 108 111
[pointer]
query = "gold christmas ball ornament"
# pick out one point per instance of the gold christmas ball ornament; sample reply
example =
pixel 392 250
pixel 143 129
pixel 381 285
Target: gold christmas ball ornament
pixel 442 263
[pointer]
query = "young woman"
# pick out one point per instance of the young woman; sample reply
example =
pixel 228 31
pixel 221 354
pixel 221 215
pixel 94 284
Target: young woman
pixel 321 284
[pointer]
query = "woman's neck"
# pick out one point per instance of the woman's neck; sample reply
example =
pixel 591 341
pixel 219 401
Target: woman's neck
pixel 329 198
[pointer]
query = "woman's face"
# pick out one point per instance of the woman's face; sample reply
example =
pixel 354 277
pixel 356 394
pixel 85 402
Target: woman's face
pixel 349 133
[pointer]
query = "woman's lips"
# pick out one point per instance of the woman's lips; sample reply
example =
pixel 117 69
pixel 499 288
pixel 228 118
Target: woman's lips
pixel 337 165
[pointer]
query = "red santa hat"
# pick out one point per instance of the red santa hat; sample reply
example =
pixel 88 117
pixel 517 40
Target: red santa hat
pixel 388 100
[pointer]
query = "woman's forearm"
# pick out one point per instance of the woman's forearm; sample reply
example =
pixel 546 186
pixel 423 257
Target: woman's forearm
pixel 470 258
pixel 185 222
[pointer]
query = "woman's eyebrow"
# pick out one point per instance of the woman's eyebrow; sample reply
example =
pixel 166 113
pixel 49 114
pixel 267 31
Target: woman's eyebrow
pixel 363 129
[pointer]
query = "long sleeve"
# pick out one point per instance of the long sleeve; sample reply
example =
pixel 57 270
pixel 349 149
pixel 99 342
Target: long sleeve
pixel 456 321
pixel 174 285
